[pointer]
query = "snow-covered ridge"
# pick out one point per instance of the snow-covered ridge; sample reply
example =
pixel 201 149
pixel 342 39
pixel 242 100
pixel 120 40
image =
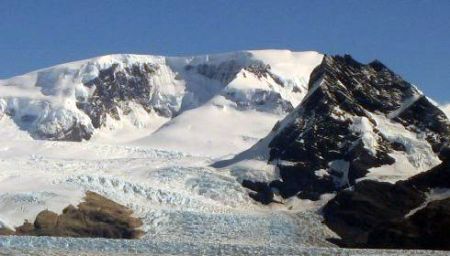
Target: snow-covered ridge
pixel 446 109
pixel 70 101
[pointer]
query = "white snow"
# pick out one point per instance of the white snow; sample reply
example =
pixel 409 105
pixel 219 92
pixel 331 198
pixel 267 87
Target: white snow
pixel 418 155
pixel 215 129
pixel 363 127
pixel 446 109
pixel 321 173
pixel 285 62
pixel 342 167
pixel 419 151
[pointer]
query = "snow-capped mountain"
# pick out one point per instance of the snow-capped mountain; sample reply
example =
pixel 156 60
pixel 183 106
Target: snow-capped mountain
pixel 73 101
pixel 357 121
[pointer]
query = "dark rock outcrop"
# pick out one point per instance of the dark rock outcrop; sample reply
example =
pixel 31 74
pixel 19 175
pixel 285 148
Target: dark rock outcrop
pixel 428 228
pixel 115 88
pixel 96 217
pixel 374 214
pixel 76 132
pixel 224 72
pixel 424 117
pixel 437 177
pixel 6 232
pixel 261 100
pixel 262 192
pixel 353 213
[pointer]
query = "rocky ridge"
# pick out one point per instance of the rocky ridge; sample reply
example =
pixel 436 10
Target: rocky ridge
pixel 355 120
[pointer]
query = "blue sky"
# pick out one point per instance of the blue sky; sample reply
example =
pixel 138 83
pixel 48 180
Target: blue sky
pixel 411 37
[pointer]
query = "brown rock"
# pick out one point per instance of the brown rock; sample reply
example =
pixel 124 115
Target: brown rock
pixel 6 232
pixel 46 220
pixel 26 228
pixel 96 217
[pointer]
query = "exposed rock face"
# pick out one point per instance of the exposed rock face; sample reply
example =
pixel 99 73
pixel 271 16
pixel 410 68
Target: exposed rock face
pixel 76 131
pixel 96 217
pixel 423 117
pixel 342 128
pixel 261 100
pixel 114 89
pixel 258 99
pixel 428 228
pixel 354 212
pixel 6 232
pixel 401 215
pixel 223 72
pixel 263 192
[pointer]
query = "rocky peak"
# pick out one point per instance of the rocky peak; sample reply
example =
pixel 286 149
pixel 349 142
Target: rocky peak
pixel 355 118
